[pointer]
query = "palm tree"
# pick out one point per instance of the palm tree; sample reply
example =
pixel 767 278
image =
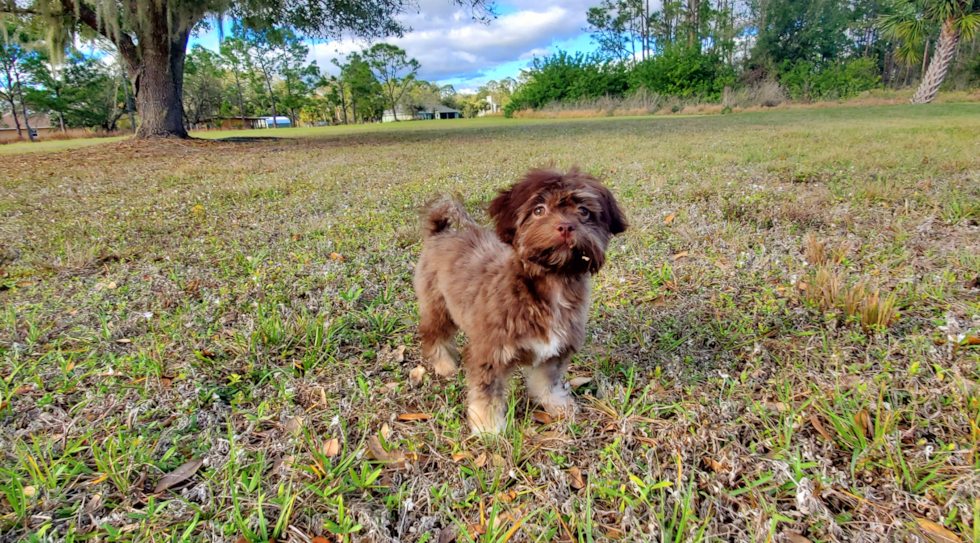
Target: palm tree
pixel 909 23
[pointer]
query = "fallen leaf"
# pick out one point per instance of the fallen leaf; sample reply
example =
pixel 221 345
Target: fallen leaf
pixel 111 285
pixel 973 283
pixel 972 340
pixel 242 539
pixel 405 417
pixel 336 256
pixel 577 480
pixel 715 466
pixel 670 218
pixel 28 491
pixel 779 407
pixel 178 475
pixel 476 530
pixel 818 426
pixel 680 255
pixel 802 286
pixel 480 460
pixel 400 354
pixel 124 341
pixel 24 284
pixel 936 533
pixel 415 376
pixel 462 456
pixel 385 431
pixel 614 534
pixel 296 237
pixel 294 425
pixel 577 382
pixel 793 537
pixel 863 421
pixel 331 448
pixel 377 451
pixel 541 417
pixel 447 534
pixel 614 170
pixel 71 366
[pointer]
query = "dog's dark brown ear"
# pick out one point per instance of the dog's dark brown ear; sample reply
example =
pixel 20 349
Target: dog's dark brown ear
pixel 504 214
pixel 611 214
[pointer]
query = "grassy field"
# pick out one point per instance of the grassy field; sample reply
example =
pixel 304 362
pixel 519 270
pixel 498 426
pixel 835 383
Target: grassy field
pixel 214 340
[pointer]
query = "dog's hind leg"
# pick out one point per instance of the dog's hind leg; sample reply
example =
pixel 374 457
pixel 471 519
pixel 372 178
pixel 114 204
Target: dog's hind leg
pixel 438 333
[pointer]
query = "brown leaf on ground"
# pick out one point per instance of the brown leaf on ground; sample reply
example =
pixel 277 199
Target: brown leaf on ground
pixel 577 382
pixel 680 255
pixel 462 456
pixel 541 417
pixel 863 421
pixel 794 537
pixel 819 427
pixel 294 425
pixel 179 475
pixel 337 257
pixel 973 283
pixel 404 417
pixel 385 431
pixel 447 534
pixel 376 450
pixel 400 354
pixel 715 465
pixel 124 340
pixel 241 539
pixel 480 460
pixel 936 533
pixel 577 479
pixel 670 218
pixel 331 448
pixel 972 340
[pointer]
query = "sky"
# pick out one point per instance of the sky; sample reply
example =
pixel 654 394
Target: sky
pixel 454 49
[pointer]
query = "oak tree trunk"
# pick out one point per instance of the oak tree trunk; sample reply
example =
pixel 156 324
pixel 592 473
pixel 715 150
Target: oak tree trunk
pixel 159 84
pixel 942 55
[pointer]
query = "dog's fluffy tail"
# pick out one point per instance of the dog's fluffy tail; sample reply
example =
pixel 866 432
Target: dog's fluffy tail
pixel 444 212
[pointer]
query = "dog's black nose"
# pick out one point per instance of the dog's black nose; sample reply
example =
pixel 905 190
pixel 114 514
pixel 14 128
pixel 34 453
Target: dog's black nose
pixel 565 229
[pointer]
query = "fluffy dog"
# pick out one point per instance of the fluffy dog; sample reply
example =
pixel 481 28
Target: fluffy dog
pixel 521 295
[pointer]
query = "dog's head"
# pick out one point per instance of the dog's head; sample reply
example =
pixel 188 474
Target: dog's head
pixel 559 221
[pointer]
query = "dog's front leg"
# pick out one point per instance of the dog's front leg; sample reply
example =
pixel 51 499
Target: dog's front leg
pixel 488 372
pixel 544 383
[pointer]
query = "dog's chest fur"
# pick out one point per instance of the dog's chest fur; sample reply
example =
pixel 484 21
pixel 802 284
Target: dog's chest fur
pixel 565 330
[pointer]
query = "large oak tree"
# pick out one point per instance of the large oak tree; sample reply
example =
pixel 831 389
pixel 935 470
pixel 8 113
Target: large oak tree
pixel 152 35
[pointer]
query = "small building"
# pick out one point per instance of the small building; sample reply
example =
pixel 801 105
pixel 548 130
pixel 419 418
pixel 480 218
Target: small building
pixel 425 114
pixel 40 127
pixel 493 108
pixel 268 122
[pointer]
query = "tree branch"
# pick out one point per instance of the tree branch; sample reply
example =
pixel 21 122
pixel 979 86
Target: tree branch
pixel 125 43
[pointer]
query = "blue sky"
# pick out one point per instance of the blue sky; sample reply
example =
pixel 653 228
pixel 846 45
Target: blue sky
pixel 454 49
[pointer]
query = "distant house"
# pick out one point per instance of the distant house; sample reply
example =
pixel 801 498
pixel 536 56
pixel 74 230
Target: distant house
pixel 40 127
pixel 492 109
pixel 280 122
pixel 428 113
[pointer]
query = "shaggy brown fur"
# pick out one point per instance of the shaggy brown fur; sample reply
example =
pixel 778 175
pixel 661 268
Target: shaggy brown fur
pixel 522 295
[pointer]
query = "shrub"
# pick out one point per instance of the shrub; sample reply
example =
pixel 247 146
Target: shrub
pixel 805 80
pixel 565 77
pixel 683 72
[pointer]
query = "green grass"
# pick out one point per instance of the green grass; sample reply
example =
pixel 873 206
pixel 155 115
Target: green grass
pixel 778 344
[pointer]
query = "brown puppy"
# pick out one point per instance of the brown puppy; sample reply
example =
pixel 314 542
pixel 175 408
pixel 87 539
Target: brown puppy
pixel 522 295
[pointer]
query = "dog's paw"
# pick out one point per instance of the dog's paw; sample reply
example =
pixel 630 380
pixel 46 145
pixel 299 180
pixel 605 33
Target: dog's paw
pixel 559 404
pixel 444 364
pixel 485 420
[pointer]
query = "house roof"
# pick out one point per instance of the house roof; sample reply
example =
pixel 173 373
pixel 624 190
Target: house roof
pixel 37 121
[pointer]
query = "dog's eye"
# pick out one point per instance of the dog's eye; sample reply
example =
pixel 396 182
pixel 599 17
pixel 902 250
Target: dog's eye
pixel 539 210
pixel 584 213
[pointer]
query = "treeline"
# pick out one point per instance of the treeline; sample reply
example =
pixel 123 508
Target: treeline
pixel 256 72
pixel 813 50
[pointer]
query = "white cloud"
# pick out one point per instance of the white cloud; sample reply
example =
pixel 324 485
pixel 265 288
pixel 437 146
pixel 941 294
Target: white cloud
pixel 448 43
